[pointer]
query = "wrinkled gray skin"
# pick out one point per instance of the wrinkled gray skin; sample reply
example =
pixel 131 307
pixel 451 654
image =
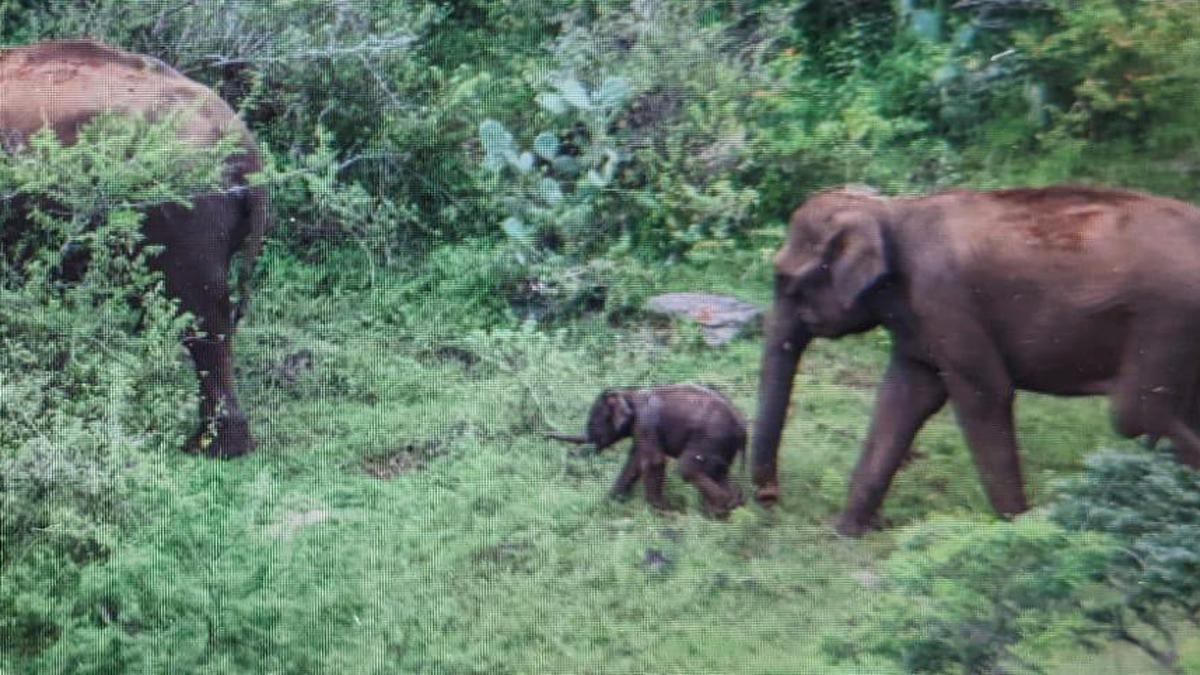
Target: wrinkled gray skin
pixel 696 425
pixel 1069 291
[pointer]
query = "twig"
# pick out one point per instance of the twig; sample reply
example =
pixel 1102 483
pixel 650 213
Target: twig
pixel 360 50
pixel 161 24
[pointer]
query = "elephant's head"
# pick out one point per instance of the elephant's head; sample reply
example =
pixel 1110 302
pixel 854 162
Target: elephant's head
pixel 610 419
pixel 834 255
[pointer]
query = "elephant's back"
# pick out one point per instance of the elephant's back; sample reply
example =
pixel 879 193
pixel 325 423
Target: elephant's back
pixel 710 409
pixel 65 84
pixel 1061 236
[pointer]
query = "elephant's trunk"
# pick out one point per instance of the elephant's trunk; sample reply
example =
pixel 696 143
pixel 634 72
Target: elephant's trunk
pixel 781 354
pixel 568 438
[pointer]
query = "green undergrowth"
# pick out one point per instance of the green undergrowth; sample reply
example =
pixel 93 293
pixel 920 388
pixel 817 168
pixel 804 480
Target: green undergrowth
pixel 403 514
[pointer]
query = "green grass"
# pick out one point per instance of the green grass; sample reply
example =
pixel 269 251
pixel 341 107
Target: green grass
pixel 492 550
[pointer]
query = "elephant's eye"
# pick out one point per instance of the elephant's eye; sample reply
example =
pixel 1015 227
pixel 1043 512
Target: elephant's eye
pixel 809 276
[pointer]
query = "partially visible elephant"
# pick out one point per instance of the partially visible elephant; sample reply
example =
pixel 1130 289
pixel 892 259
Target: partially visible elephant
pixel 1062 290
pixel 66 84
pixel 697 425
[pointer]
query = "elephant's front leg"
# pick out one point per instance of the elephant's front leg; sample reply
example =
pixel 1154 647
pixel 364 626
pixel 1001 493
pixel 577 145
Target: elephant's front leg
pixel 652 463
pixel 909 394
pixel 628 476
pixel 983 404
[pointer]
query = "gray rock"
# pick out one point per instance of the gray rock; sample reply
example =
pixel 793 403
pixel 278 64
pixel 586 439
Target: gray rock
pixel 721 317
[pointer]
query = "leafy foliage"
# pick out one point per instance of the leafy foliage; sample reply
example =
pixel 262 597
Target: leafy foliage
pixel 89 405
pixel 965 596
pixel 555 189
pixel 1119 560
pixel 1151 506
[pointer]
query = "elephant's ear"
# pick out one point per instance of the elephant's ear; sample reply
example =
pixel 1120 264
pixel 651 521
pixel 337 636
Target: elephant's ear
pixel 855 256
pixel 620 411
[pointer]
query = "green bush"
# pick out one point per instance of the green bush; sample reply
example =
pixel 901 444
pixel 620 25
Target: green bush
pixel 965 596
pixel 90 407
pixel 629 147
pixel 1150 505
pixel 1119 560
pixel 554 194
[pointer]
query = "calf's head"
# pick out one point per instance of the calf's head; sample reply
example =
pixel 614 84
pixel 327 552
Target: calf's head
pixel 610 419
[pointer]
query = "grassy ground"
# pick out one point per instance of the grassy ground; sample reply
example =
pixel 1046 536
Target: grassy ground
pixel 402 514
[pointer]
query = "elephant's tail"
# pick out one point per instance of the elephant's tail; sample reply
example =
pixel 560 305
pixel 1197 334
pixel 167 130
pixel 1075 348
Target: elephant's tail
pixel 257 211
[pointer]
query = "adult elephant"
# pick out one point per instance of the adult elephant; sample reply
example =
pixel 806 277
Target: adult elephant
pixel 66 84
pixel 1061 290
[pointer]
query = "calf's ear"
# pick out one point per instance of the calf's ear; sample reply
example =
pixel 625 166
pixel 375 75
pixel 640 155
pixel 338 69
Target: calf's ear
pixel 620 410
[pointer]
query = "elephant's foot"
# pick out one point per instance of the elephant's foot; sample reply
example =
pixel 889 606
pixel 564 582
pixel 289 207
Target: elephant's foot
pixel 768 494
pixel 721 510
pixel 226 437
pixel 717 514
pixel 620 495
pixel 850 525
pixel 736 498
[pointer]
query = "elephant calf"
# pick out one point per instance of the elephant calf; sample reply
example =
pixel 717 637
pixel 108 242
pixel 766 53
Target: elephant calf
pixel 696 425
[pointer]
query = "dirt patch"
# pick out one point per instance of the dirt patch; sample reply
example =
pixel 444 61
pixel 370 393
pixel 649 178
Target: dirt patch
pixel 434 355
pixel 412 456
pixel 656 561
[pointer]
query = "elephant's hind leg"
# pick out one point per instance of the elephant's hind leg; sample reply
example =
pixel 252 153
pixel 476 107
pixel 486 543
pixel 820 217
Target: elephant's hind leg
pixel 1157 393
pixel 720 497
pixel 196 268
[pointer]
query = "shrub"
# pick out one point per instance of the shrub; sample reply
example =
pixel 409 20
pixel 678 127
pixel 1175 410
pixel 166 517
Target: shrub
pixel 89 405
pixel 966 596
pixel 1118 560
pixel 629 147
pixel 1151 506
pixel 554 191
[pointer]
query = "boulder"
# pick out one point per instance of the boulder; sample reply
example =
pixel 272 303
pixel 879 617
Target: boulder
pixel 721 317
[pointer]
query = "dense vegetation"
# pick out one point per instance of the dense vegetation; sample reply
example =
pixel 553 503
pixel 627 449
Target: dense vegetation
pixel 474 198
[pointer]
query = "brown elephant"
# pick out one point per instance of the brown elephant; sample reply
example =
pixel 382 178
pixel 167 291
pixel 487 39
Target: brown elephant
pixel 64 85
pixel 697 425
pixel 1062 290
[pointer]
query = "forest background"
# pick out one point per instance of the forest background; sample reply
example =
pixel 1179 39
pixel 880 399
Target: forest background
pixel 474 200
